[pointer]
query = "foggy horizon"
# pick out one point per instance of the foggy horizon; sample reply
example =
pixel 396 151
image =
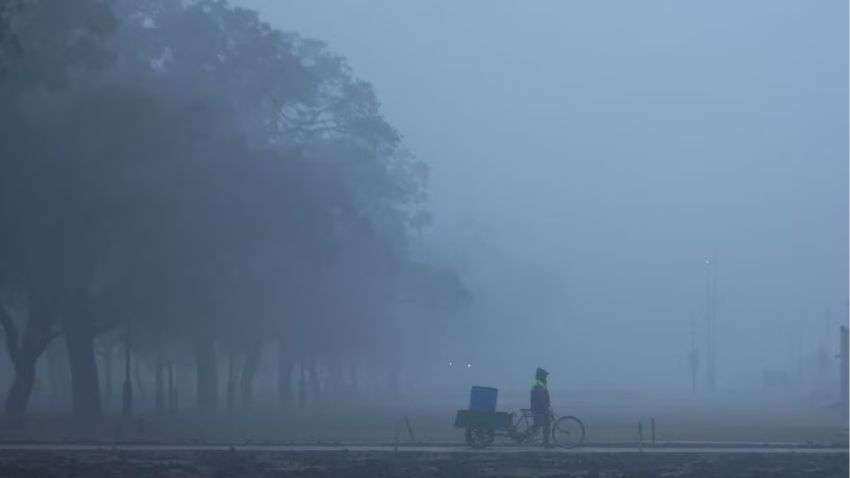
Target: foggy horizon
pixel 587 157
pixel 424 238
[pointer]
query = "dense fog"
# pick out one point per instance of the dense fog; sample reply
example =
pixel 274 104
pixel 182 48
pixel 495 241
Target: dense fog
pixel 587 157
pixel 266 205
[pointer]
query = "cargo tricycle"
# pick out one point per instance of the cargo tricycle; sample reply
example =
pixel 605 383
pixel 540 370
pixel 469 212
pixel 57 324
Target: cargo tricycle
pixel 482 424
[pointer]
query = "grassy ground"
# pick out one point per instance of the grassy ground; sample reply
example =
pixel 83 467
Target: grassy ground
pixel 609 420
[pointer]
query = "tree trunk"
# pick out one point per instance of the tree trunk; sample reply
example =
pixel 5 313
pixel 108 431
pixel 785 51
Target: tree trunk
pixel 56 371
pixel 24 355
pixel 137 376
pixel 331 383
pixel 249 372
pixel 285 366
pixel 302 385
pixel 337 378
pixel 231 383
pixel 207 371
pixel 160 386
pixel 315 384
pixel 284 382
pixel 127 389
pixel 79 336
pixel 108 355
pixel 19 394
pixel 172 389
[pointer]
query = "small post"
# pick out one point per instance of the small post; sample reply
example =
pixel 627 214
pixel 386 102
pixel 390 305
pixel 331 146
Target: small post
pixel 640 435
pixel 652 422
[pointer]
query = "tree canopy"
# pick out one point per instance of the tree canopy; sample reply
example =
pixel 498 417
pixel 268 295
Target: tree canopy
pixel 186 171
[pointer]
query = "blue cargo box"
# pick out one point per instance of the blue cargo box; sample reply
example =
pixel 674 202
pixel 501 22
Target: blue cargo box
pixel 483 399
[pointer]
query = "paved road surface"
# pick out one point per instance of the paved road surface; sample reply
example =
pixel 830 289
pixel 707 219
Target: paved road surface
pixel 421 449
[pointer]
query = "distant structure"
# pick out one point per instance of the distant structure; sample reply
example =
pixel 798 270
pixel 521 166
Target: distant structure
pixel 710 320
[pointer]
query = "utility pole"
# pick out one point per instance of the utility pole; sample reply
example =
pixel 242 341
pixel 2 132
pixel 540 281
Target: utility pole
pixel 693 358
pixel 710 319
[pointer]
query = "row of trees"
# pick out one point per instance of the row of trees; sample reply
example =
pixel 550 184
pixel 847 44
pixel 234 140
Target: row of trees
pixel 208 185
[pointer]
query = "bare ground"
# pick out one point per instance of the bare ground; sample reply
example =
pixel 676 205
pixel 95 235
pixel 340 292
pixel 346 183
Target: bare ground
pixel 412 464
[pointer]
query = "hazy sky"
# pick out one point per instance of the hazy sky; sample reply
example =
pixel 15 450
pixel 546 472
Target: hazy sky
pixel 587 155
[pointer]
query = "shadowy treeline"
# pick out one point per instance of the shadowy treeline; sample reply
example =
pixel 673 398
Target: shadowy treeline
pixel 182 184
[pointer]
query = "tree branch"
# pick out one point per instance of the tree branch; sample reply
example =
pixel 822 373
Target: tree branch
pixel 44 341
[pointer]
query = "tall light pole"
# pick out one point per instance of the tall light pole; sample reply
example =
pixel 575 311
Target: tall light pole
pixel 710 319
pixel 693 358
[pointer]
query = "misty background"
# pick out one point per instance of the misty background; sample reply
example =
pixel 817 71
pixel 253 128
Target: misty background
pixel 306 221
pixel 586 157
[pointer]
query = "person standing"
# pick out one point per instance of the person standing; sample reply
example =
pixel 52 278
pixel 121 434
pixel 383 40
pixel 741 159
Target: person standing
pixel 541 404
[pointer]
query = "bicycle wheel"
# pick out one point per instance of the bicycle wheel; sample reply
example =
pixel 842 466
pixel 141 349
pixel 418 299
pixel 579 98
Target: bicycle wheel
pixel 479 437
pixel 568 432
